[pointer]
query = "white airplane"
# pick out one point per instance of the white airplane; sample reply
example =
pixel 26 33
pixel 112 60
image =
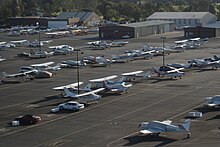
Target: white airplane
pixel 59 34
pixel 180 65
pixel 99 44
pixel 122 58
pixel 213 101
pixel 62 49
pixel 72 86
pixel 134 76
pixel 46 66
pixel 203 63
pixel 72 63
pixel 158 50
pixel 35 43
pixel 20 42
pixel 169 72
pixel 93 43
pixel 156 127
pixel 118 43
pixel 85 97
pixel 111 86
pixel 21 77
pixel 142 54
pixel 40 54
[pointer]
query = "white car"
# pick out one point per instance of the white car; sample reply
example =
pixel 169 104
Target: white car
pixel 71 105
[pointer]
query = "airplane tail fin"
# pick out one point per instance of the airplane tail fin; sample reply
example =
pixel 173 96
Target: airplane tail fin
pixel 215 57
pixel 32 52
pixel 105 85
pixel 147 75
pixel 88 87
pixel 185 125
pixel 156 70
pixel 68 93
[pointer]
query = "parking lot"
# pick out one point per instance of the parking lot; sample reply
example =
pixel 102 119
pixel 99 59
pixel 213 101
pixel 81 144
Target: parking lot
pixel 114 120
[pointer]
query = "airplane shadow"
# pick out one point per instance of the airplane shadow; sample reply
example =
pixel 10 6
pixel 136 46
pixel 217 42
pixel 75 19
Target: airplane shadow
pixel 206 109
pixel 157 80
pixel 215 117
pixel 205 70
pixel 147 138
pixel 47 99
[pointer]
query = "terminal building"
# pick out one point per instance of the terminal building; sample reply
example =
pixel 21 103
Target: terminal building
pixel 135 30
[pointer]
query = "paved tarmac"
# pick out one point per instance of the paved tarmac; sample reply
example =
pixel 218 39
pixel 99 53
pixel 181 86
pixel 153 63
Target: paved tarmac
pixel 114 120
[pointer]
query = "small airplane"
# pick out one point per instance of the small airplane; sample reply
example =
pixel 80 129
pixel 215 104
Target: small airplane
pixel 180 65
pixel 154 128
pixel 72 63
pixel 21 77
pixel 35 43
pixel 73 87
pixel 58 34
pixel 20 42
pixel 111 86
pixel 69 86
pixel 99 44
pixel 46 66
pixel 118 43
pixel 40 54
pixel 97 61
pixel 134 76
pixel 213 101
pixel 90 96
pixel 207 62
pixel 158 50
pixel 141 54
pixel 62 49
pixel 169 72
pixel 122 58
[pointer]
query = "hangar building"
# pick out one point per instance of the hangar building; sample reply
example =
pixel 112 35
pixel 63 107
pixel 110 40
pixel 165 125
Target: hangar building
pixel 210 30
pixel 183 19
pixel 135 30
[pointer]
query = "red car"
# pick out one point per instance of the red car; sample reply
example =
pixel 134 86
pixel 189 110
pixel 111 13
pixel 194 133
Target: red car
pixel 26 120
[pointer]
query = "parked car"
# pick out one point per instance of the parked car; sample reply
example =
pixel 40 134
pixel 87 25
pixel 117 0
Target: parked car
pixel 26 120
pixel 71 105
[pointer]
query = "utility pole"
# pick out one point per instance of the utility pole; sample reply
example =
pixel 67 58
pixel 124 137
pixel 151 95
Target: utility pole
pixel 163 38
pixel 77 67
pixel 38 25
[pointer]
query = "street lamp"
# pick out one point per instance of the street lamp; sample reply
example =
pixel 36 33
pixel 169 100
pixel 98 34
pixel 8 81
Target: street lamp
pixel 163 38
pixel 77 66
pixel 37 23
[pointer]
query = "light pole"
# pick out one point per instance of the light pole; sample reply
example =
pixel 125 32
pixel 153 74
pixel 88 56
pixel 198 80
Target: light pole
pixel 77 67
pixel 163 38
pixel 38 25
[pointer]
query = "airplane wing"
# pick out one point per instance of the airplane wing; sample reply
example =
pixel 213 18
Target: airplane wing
pixel 175 70
pixel 2 43
pixel 131 73
pixel 168 122
pixel 42 64
pixel 91 92
pixel 73 85
pixel 150 131
pixel 103 79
